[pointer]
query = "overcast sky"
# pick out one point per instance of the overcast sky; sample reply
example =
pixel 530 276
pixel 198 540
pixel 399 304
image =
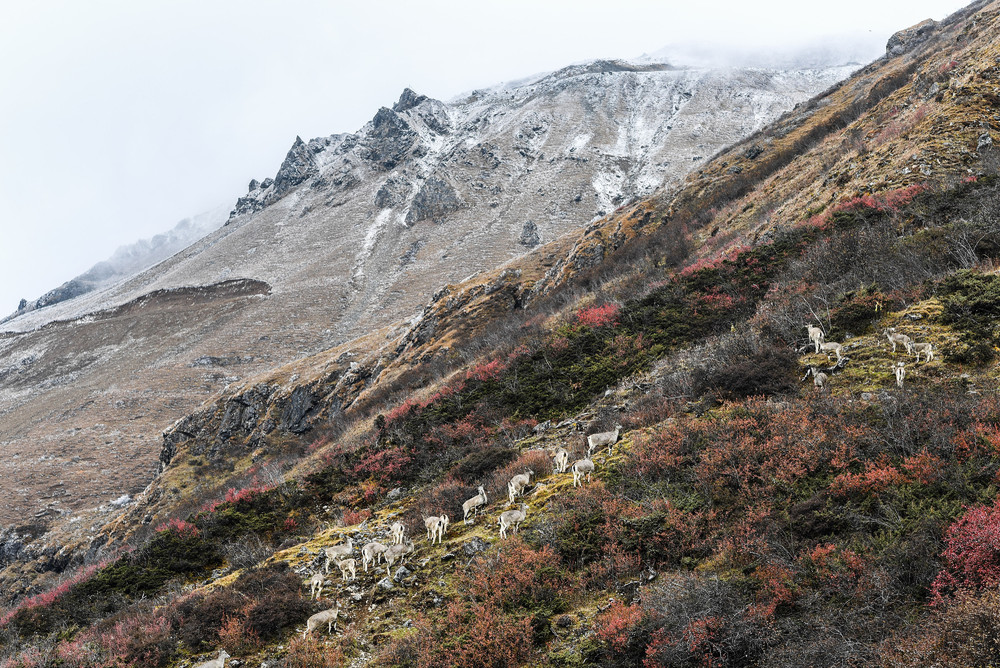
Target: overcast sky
pixel 120 118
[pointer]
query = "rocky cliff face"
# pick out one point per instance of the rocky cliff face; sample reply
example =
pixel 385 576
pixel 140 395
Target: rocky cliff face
pixel 354 233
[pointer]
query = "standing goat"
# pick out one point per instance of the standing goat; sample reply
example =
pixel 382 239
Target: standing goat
pixel 348 566
pixel 219 662
pixel 397 552
pixel 316 583
pixel 900 370
pixel 561 460
pixel 608 438
pixel 436 526
pixel 925 348
pixel 517 484
pixel 371 552
pixel 398 532
pixel 338 551
pixel 816 336
pixel 580 468
pixel 832 348
pixel 328 616
pixel 819 378
pixel 473 504
pixel 512 519
pixel 894 338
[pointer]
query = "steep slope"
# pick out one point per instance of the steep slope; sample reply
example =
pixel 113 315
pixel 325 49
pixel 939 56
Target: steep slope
pixel 354 233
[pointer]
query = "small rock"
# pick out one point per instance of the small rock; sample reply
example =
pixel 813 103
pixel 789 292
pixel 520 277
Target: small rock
pixel 408 624
pixel 542 427
pixel 475 546
pixel 447 556
pixel 395 493
pixel 402 573
pixel 866 396
pixel 384 583
pixel 985 141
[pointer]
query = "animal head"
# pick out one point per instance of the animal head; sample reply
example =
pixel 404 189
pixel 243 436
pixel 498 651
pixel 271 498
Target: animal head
pixel 482 491
pixel 223 654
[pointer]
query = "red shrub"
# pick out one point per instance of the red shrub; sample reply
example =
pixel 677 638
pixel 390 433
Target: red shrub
pixel 485 371
pixel 617 625
pixel 142 640
pixel 972 553
pixel 598 316
pixel 352 517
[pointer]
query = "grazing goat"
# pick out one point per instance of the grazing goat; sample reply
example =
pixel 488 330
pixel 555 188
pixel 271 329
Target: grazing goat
pixel 219 662
pixel 900 370
pixel 512 519
pixel 561 460
pixel 316 583
pixel 398 532
pixel 348 566
pixel 328 616
pixel 816 336
pixel 894 338
pixel 473 504
pixel 581 467
pixel 397 552
pixel 925 348
pixel 517 484
pixel 435 527
pixel 371 552
pixel 832 348
pixel 338 551
pixel 608 438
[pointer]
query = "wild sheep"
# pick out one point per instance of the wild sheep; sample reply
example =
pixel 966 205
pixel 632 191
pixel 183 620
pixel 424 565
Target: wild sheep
pixel 894 338
pixel 816 336
pixel 397 552
pixel 328 616
pixel 316 583
pixel 561 460
pixel 348 566
pixel 473 504
pixel 398 532
pixel 219 662
pixel 819 378
pixel 517 484
pixel 581 467
pixel 832 348
pixel 435 527
pixel 900 370
pixel 371 552
pixel 337 551
pixel 608 438
pixel 925 348
pixel 512 519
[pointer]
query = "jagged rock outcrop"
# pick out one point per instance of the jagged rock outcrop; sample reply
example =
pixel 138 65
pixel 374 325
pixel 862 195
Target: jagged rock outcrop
pixel 435 200
pixel 906 40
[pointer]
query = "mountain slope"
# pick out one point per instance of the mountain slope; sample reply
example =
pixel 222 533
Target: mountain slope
pixel 354 233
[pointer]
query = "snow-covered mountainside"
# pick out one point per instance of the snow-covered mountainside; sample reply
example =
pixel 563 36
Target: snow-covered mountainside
pixel 355 232
pixel 128 261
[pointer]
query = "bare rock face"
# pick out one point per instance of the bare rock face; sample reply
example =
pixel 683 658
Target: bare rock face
pixel 435 200
pixel 905 40
pixel 529 235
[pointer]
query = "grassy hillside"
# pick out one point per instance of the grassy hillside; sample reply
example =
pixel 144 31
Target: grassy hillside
pixel 745 518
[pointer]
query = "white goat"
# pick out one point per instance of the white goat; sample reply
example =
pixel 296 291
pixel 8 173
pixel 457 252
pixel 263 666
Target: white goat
pixel 608 438
pixel 832 348
pixel 327 616
pixel 473 504
pixel 219 662
pixel 925 348
pixel 580 468
pixel 819 378
pixel 515 487
pixel 894 338
pixel 512 519
pixel 443 529
pixel 348 566
pixel 561 460
pixel 900 370
pixel 397 552
pixel 338 551
pixel 435 527
pixel 316 583
pixel 816 336
pixel 398 532
pixel 371 552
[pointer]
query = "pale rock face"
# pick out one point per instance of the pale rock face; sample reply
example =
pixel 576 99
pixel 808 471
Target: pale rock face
pixel 354 232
